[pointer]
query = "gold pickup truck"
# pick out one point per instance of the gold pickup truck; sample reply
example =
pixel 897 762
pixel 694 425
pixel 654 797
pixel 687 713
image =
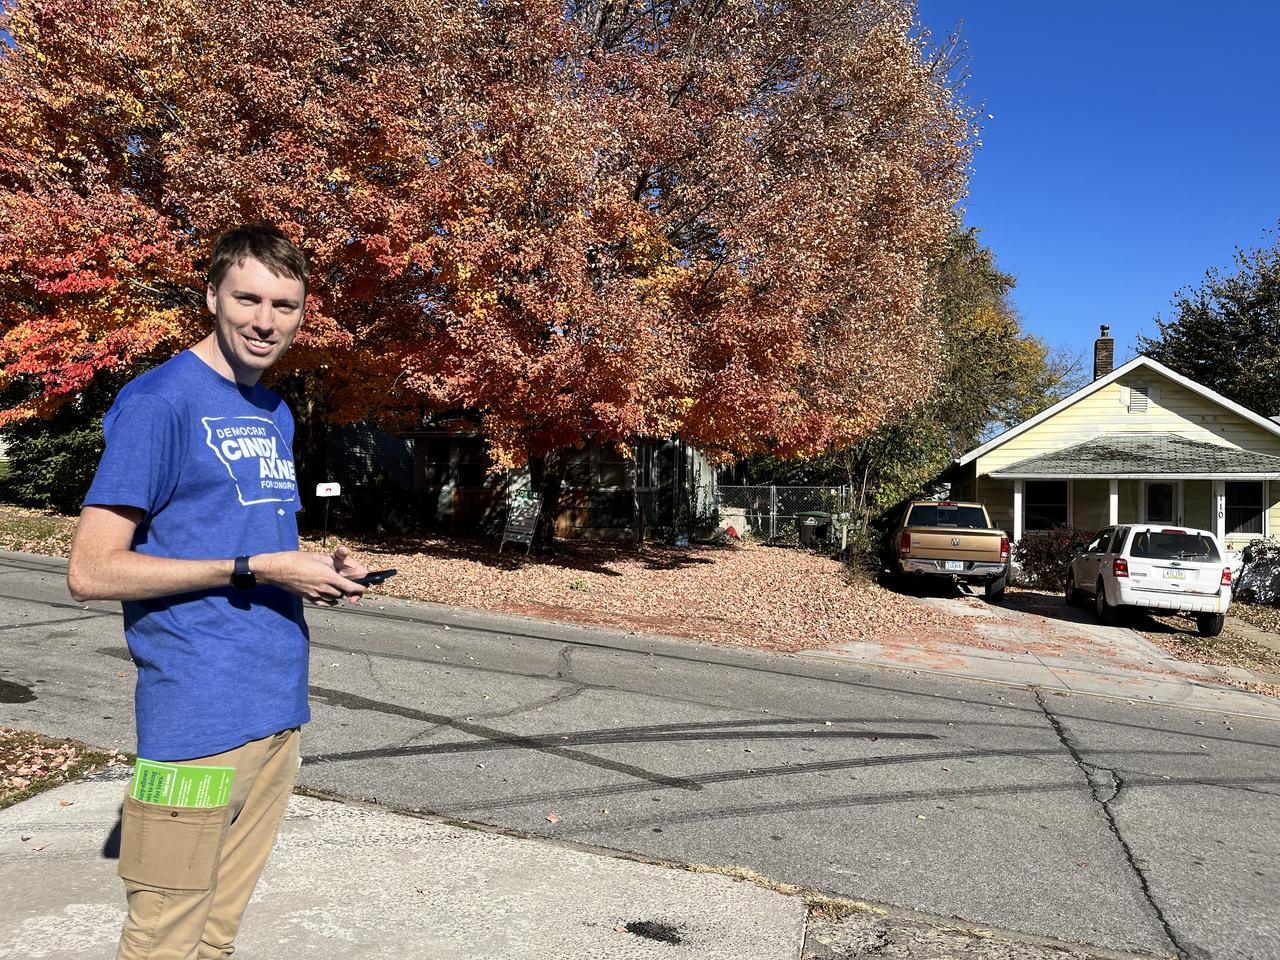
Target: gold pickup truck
pixel 953 540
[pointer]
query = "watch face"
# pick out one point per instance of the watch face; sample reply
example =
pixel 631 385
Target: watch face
pixel 242 577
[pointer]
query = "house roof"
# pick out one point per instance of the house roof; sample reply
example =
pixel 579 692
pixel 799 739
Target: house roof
pixel 1151 456
pixel 1270 425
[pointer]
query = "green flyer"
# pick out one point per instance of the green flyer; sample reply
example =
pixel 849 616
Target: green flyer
pixel 179 785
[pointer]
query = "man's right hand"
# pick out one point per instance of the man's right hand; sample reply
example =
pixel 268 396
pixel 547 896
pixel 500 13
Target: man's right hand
pixel 309 575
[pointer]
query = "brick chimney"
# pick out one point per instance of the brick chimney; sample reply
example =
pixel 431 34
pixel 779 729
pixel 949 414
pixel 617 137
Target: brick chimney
pixel 1104 353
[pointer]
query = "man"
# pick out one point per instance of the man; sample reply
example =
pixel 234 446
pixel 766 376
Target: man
pixel 191 522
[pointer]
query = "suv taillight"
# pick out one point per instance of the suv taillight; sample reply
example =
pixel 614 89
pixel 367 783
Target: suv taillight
pixel 1004 548
pixel 1226 577
pixel 904 545
pixel 1120 567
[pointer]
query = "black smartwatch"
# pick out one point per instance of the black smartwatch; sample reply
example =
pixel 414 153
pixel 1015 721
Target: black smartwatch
pixel 242 577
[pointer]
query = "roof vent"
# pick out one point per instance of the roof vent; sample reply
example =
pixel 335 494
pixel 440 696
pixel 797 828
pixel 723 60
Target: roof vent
pixel 1138 398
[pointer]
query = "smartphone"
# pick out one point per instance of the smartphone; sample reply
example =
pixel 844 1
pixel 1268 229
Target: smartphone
pixel 374 577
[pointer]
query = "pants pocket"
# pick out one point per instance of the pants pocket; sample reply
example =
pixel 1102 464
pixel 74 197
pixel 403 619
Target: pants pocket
pixel 171 848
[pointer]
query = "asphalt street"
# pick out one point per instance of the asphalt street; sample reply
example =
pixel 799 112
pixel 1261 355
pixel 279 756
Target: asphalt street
pixel 1118 824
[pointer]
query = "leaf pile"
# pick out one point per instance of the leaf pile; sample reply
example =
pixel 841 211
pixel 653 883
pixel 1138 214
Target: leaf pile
pixel 30 763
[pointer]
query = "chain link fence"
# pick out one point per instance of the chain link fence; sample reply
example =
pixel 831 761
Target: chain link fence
pixel 782 513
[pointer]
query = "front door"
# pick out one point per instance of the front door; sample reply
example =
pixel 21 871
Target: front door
pixel 1162 502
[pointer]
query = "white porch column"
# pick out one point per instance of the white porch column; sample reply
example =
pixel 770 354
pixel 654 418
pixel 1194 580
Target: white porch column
pixel 1220 509
pixel 1017 509
pixel 1113 502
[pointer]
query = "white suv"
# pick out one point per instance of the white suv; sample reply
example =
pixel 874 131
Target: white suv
pixel 1157 567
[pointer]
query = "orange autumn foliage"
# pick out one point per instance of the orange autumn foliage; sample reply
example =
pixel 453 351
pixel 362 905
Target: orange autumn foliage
pixel 595 220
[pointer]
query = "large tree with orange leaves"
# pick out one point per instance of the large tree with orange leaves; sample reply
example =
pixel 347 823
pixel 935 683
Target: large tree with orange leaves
pixel 610 219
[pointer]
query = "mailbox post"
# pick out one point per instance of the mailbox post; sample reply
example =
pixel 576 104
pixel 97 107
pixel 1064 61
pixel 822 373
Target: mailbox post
pixel 327 491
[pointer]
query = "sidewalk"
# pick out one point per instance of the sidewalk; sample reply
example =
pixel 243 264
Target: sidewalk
pixel 356 882
pixel 351 881
pixel 1033 640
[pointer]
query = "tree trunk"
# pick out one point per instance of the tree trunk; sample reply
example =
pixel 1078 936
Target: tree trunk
pixel 547 477
pixel 303 396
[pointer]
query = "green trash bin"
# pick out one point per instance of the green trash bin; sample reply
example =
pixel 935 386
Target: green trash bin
pixel 813 526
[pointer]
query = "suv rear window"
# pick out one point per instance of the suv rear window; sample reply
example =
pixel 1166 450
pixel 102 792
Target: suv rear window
pixel 1154 545
pixel 941 515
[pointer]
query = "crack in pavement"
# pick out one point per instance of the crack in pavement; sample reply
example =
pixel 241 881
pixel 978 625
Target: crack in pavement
pixel 1105 791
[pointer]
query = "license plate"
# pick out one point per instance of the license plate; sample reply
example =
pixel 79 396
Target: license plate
pixel 955 564
pixel 1175 574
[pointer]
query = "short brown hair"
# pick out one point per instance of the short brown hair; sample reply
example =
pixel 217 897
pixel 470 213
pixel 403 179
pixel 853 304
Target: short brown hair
pixel 263 242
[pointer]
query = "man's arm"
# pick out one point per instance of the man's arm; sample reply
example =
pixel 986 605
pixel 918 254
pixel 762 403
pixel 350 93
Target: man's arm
pixel 104 566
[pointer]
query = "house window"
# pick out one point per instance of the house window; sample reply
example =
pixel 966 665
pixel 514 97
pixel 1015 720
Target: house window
pixel 613 466
pixel 1244 507
pixel 472 464
pixel 436 462
pixel 577 467
pixel 1045 504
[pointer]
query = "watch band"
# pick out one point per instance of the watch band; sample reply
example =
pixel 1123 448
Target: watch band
pixel 242 578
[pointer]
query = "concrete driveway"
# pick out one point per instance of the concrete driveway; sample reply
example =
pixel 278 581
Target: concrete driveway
pixel 1035 639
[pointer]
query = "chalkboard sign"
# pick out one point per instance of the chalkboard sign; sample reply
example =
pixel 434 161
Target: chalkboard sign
pixel 522 519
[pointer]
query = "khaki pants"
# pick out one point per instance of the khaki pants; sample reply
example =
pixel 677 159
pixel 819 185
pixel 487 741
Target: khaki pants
pixel 189 872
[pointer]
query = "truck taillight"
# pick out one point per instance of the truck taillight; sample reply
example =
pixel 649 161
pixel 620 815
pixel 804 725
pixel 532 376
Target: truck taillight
pixel 1004 548
pixel 904 545
pixel 1226 577
pixel 1120 567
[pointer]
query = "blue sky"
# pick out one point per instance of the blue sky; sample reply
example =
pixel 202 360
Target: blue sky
pixel 1133 145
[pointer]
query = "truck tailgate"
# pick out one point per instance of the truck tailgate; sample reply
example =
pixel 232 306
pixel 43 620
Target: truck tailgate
pixel 943 543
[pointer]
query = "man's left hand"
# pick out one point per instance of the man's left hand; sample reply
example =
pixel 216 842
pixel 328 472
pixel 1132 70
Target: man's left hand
pixel 348 566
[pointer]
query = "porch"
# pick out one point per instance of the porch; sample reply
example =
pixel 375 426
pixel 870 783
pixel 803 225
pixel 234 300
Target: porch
pixel 1139 479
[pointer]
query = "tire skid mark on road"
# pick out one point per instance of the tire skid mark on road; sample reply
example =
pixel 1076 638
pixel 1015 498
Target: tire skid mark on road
pixel 794 673
pixel 339 698
pixel 53 623
pixel 786 770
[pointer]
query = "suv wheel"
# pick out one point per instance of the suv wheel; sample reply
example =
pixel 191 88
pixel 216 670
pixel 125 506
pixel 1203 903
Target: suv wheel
pixel 1106 612
pixel 1210 624
pixel 1072 594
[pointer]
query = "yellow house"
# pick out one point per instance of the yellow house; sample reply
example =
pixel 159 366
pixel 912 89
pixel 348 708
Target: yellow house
pixel 1140 443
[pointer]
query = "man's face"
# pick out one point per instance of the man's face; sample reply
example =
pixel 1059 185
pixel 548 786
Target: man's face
pixel 257 315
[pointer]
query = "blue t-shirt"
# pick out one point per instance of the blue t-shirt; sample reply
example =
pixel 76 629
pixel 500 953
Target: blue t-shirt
pixel 210 464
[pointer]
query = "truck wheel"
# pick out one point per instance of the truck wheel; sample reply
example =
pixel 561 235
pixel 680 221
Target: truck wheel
pixel 1210 624
pixel 1072 594
pixel 1106 612
pixel 993 590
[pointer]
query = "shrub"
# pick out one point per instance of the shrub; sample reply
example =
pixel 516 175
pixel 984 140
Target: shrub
pixel 49 467
pixel 1259 579
pixel 1043 556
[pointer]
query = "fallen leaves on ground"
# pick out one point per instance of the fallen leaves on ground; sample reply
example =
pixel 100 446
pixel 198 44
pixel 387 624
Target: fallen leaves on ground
pixel 35 531
pixel 747 594
pixel 1177 635
pixel 1254 614
pixel 30 763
